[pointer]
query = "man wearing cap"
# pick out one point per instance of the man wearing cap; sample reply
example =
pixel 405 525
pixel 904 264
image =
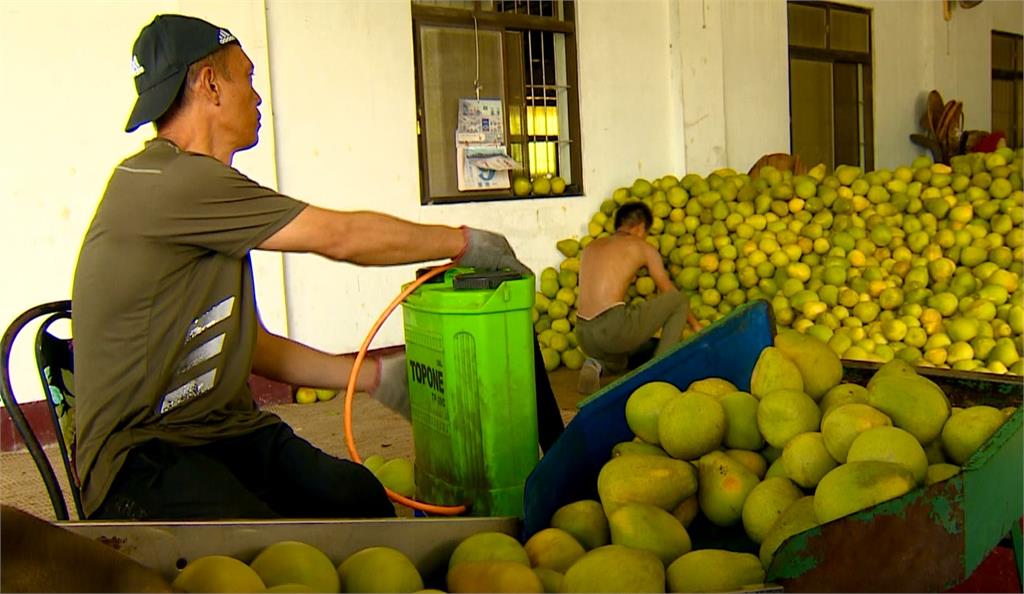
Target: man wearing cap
pixel 165 321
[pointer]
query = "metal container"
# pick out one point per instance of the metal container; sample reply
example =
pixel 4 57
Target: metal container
pixel 167 547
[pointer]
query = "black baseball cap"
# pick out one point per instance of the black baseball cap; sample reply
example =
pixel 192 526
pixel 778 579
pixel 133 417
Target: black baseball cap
pixel 160 59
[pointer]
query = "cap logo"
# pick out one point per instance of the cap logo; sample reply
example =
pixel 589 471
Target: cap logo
pixel 136 68
pixel 224 37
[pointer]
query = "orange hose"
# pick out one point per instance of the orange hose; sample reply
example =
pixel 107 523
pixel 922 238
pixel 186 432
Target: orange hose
pixel 442 510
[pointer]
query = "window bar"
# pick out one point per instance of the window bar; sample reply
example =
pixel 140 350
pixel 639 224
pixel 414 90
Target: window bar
pixel 530 110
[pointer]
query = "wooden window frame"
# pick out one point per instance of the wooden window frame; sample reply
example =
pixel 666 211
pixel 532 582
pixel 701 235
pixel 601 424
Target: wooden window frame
pixel 502 22
pixel 864 59
pixel 1016 74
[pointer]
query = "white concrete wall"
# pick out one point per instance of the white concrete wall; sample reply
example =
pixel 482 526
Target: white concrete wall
pixel 666 86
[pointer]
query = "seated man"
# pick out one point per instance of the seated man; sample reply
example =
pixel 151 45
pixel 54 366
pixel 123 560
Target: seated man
pixel 166 324
pixel 607 328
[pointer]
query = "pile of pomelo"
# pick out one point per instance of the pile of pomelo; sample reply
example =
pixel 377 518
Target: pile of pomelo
pixel 919 263
pixel 798 450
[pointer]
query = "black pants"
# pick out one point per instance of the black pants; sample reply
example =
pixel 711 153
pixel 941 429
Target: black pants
pixel 549 415
pixel 269 473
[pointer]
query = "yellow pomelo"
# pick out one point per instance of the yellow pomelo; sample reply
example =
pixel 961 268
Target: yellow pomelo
pixel 714 570
pixel 656 480
pixel 627 448
pixel 615 568
pixel 217 573
pixel 553 548
pixel 691 425
pixel 774 371
pixel 550 579
pixel 840 395
pixel 805 459
pixel 890 444
pixel 492 576
pixel 964 433
pixel 714 386
pixel 644 406
pixel 489 546
pixel 741 421
pixel 754 462
pixel 819 365
pixel 797 518
pixel 723 487
pixel 293 562
pixel 854 486
pixel 939 472
pixel 913 403
pixel 844 423
pixel 765 504
pixel 379 569
pixel 784 414
pixel 585 521
pixel 934 451
pixel 776 468
pixel 649 528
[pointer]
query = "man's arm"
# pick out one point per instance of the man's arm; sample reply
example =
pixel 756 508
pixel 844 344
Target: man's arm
pixel 656 270
pixel 366 238
pixel 288 361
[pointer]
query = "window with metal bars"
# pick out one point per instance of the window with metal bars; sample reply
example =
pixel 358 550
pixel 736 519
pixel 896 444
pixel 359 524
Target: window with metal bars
pixel 521 52
pixel 1008 86
pixel 830 84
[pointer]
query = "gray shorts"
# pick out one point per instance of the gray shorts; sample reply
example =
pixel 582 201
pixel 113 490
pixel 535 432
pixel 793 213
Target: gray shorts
pixel 615 333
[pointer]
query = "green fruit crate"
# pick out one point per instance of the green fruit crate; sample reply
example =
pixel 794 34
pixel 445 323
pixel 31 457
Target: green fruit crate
pixel 928 540
pixel 167 547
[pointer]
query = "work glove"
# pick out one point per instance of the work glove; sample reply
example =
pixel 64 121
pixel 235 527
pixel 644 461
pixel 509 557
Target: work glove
pixel 392 386
pixel 488 250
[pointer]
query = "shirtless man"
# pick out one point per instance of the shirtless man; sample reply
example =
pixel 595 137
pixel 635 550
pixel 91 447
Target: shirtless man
pixel 608 329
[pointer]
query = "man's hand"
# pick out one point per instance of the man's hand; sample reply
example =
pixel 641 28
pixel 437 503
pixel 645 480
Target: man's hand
pixel 484 249
pixel 392 386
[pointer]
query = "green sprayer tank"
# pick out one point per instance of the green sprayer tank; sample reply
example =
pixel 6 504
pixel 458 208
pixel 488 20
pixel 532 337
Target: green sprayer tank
pixel 469 347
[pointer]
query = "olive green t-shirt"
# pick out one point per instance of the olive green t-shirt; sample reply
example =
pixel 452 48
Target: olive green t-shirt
pixel 163 308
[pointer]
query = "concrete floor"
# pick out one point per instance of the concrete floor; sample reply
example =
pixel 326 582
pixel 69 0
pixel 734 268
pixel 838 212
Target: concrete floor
pixel 377 431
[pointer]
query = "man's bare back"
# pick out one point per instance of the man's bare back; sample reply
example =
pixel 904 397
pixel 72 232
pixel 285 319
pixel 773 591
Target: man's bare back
pixel 608 265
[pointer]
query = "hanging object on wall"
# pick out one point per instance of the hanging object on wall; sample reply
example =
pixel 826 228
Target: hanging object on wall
pixel 947 6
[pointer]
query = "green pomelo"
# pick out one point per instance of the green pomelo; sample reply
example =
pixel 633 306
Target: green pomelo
pixel 714 386
pixel 714 570
pixel 293 562
pixel 723 487
pixel 553 548
pixel 644 406
pixel 217 573
pixel 806 460
pixel 784 414
pixel 741 421
pixel 912 402
pixel 844 423
pixel 491 576
pixel 648 528
pixel 489 546
pixel 890 444
pixel 964 433
pixel 633 448
pixel 585 521
pixel 820 368
pixel 774 371
pixel 656 480
pixel 854 486
pixel 691 425
pixel 797 518
pixel 765 504
pixel 842 394
pixel 615 568
pixel 379 569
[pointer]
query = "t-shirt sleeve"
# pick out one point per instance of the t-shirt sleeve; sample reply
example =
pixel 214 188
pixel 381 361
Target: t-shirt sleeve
pixel 204 203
